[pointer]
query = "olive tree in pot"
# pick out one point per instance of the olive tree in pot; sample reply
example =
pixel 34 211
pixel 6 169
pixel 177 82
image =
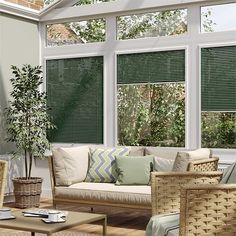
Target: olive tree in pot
pixel 27 125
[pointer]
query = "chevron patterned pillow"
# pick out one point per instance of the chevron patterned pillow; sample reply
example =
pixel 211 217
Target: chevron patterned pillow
pixel 102 168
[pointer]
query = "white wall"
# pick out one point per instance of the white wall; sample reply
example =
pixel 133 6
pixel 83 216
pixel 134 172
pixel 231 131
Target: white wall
pixel 19 44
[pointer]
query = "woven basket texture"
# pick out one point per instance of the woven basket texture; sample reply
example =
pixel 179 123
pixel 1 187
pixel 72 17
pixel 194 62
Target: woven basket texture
pixel 27 192
pixel 165 187
pixel 208 210
pixel 210 164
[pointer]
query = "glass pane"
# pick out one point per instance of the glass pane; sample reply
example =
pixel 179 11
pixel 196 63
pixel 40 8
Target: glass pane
pixel 151 114
pixel 47 2
pixel 152 24
pixel 219 129
pixel 218 95
pixel 218 18
pixel 87 2
pixel 81 32
pixel 75 96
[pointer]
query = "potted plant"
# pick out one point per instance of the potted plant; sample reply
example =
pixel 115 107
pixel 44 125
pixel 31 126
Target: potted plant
pixel 27 125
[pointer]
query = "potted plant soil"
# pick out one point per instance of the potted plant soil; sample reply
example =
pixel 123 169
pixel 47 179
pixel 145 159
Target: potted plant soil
pixel 27 125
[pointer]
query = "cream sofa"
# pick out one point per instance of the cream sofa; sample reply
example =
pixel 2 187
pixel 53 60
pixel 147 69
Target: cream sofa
pixel 76 191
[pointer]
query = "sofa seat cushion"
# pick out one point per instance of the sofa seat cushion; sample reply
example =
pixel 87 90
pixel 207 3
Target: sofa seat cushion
pixel 106 192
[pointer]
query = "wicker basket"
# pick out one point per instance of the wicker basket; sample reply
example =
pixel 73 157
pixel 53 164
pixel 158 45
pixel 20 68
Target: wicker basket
pixel 27 191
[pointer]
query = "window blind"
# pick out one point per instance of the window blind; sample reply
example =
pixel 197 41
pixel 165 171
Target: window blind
pixel 218 79
pixel 75 96
pixel 151 67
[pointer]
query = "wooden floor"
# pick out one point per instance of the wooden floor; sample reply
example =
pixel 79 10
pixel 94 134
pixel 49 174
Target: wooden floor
pixel 120 222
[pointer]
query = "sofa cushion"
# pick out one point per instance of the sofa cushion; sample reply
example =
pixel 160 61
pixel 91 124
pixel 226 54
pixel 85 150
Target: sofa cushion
pixel 102 164
pixel 133 170
pixel 182 159
pixel 136 151
pixel 163 164
pixel 70 165
pixel 106 192
pixel 163 152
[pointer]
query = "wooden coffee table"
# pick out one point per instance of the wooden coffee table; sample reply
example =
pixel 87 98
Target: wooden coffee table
pixel 36 225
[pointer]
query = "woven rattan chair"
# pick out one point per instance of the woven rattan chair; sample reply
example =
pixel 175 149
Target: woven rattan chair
pixel 3 174
pixel 210 164
pixel 208 210
pixel 165 188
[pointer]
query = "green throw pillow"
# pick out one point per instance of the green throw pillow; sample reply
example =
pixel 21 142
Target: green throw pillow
pixel 134 170
pixel 102 168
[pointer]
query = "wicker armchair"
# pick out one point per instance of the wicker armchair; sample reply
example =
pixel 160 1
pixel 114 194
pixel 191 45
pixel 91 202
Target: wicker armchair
pixel 208 210
pixel 165 188
pixel 210 164
pixel 3 174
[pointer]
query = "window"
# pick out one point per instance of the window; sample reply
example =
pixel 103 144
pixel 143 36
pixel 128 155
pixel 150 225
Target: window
pixel 75 96
pixel 152 24
pixel 81 32
pixel 218 85
pixel 151 99
pixel 218 18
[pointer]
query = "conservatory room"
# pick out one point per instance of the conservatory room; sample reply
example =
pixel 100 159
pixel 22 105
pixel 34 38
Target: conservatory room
pixel 118 117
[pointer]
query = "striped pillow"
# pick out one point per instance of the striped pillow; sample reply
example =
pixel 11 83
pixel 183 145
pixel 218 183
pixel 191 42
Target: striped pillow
pixel 102 168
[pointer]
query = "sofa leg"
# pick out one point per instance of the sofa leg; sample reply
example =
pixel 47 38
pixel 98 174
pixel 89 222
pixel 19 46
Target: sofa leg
pixel 91 209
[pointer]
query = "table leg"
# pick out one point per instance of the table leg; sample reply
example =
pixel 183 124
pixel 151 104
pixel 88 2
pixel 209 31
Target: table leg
pixel 105 226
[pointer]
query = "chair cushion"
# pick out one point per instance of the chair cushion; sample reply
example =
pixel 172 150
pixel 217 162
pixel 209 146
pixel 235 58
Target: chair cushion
pixel 70 165
pixel 182 159
pixel 134 170
pixel 163 225
pixel 102 167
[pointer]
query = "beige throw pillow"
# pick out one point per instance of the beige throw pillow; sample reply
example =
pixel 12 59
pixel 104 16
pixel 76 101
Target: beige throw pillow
pixel 182 159
pixel 70 165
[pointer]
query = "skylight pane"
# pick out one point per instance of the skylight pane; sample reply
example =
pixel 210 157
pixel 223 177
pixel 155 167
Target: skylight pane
pixel 87 2
pixel 153 24
pixel 218 18
pixel 81 32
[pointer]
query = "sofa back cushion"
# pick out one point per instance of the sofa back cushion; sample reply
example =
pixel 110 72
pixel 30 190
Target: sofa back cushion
pixel 70 165
pixel 163 164
pixel 182 159
pixel 102 167
pixel 164 152
pixel 134 170
pixel 136 151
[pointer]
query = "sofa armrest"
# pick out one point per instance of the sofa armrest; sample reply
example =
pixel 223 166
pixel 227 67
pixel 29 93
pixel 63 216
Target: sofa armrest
pixel 52 174
pixel 208 209
pixel 165 188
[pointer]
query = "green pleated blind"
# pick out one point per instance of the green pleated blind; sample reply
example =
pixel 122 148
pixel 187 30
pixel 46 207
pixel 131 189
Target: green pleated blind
pixel 218 79
pixel 151 67
pixel 75 96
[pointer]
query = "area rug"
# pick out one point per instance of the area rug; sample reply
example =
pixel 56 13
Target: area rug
pixel 62 233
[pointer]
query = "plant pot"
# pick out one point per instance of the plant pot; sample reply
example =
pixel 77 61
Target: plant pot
pixel 27 191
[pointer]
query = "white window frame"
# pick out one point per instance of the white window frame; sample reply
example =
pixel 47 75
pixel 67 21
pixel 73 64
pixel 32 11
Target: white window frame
pixel 191 41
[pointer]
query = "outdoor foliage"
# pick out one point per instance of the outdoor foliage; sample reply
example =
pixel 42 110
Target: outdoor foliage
pixel 27 118
pixel 219 129
pixel 151 114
